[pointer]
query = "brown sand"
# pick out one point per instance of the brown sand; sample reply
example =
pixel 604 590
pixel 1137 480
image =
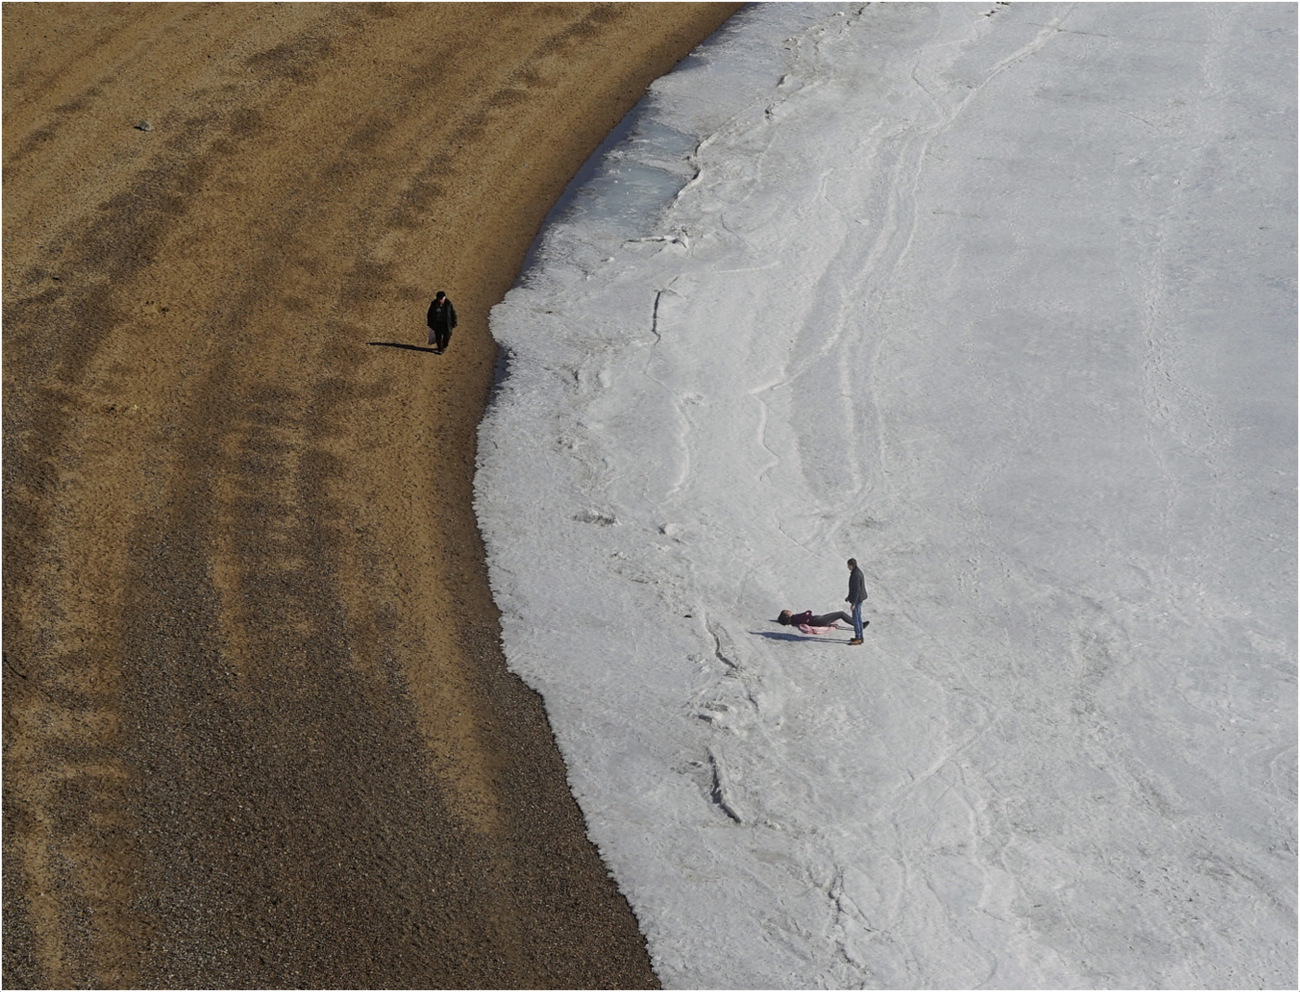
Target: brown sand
pixel 258 729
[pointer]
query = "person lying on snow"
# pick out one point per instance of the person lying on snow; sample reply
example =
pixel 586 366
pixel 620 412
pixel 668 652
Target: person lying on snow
pixel 810 624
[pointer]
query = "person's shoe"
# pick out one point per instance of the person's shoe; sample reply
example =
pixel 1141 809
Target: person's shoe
pixel 856 640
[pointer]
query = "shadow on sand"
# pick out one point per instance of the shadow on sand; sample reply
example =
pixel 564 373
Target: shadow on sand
pixel 398 344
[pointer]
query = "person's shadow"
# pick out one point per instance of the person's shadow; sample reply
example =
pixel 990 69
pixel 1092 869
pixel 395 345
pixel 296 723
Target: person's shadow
pixel 781 635
pixel 398 344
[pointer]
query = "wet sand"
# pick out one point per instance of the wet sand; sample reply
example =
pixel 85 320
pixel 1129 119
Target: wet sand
pixel 258 729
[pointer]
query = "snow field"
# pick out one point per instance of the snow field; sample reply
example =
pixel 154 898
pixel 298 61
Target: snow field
pixel 999 300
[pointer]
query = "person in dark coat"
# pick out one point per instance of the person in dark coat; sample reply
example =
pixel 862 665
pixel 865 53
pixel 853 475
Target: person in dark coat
pixel 442 318
pixel 857 593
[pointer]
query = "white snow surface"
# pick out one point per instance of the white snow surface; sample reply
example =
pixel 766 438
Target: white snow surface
pixel 999 300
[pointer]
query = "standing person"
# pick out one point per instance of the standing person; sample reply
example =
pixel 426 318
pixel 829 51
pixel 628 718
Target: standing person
pixel 442 318
pixel 857 593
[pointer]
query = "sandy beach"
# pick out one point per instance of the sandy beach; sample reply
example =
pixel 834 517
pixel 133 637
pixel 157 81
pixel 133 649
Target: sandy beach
pixel 258 729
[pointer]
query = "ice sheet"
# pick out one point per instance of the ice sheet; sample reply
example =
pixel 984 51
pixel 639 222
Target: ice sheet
pixel 999 300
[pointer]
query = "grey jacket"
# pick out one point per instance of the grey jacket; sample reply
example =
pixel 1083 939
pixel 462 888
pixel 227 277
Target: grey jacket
pixel 857 586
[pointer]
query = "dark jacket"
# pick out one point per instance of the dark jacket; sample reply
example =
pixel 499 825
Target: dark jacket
pixel 442 316
pixel 857 586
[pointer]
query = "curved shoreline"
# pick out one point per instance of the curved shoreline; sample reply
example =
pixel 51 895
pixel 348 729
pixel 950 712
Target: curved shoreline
pixel 258 727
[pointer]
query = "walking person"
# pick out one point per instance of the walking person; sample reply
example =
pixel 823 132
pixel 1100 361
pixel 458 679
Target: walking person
pixel 442 318
pixel 857 593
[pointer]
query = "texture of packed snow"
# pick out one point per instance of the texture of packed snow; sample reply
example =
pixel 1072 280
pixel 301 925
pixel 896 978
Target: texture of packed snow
pixel 999 300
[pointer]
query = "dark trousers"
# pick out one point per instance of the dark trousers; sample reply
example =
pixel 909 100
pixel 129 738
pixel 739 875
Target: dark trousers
pixel 440 337
pixel 830 619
